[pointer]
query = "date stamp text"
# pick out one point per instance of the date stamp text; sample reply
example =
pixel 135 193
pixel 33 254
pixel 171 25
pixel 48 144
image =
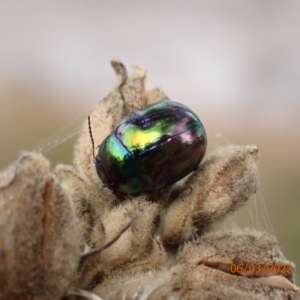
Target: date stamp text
pixel 261 269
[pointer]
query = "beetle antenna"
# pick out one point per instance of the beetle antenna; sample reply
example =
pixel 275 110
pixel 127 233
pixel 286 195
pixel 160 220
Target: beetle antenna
pixel 91 135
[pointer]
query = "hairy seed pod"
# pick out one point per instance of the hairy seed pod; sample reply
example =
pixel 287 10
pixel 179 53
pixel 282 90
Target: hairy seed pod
pixel 40 237
pixel 224 182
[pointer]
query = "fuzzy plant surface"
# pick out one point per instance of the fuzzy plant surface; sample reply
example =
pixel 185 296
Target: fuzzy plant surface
pixel 63 235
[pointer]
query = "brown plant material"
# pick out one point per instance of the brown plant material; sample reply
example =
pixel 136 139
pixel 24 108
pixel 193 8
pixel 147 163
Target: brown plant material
pixel 135 248
pixel 149 246
pixel 40 240
pixel 128 96
pixel 88 207
pixel 223 183
pixel 198 272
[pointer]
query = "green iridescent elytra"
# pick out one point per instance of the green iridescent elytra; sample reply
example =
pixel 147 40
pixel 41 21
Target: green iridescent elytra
pixel 152 148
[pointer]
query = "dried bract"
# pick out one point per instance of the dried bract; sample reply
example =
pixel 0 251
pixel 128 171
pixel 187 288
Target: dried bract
pixel 223 183
pixel 88 207
pixel 211 268
pixel 238 264
pixel 40 242
pixel 131 228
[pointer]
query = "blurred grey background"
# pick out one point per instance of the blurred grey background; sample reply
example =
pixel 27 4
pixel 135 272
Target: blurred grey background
pixel 235 62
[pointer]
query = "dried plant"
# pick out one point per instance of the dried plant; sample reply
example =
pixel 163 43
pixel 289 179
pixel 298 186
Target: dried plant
pixel 63 235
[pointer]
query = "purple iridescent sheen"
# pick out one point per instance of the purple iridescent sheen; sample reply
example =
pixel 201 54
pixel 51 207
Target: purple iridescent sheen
pixel 152 148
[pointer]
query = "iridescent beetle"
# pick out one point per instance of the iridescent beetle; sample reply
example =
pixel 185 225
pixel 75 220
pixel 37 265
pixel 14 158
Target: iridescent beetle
pixel 151 148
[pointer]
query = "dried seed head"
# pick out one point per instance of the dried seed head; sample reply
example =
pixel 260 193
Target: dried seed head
pixel 202 271
pixel 157 284
pixel 233 261
pixel 41 240
pixel 224 182
pixel 89 206
pixel 131 228
pixel 39 237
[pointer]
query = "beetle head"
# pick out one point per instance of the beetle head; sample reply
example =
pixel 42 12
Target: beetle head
pixel 101 173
